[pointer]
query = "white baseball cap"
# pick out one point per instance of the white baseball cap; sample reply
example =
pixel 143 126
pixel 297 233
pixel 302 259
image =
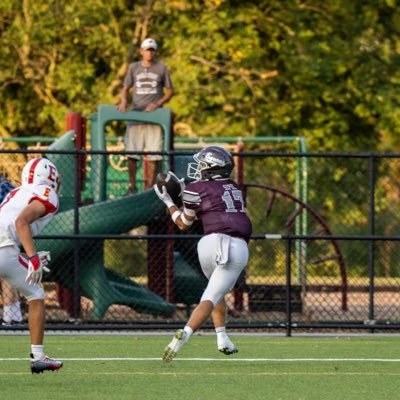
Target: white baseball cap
pixel 148 43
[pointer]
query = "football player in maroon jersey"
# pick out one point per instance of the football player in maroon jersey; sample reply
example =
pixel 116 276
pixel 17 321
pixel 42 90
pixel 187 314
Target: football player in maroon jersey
pixel 217 201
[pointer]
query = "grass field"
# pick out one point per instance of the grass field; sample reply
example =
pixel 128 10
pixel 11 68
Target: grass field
pixel 266 367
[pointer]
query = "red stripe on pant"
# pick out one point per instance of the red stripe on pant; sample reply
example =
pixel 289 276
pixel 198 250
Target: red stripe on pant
pixel 23 260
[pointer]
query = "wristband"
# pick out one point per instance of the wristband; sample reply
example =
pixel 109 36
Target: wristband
pixel 186 221
pixel 169 203
pixel 175 215
pixel 35 261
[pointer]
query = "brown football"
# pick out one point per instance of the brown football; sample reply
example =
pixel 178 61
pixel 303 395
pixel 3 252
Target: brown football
pixel 171 183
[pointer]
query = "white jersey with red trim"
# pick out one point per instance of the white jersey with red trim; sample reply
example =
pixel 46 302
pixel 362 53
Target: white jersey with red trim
pixel 16 201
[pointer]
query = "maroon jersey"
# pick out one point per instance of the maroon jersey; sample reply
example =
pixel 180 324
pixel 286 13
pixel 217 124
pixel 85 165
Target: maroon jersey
pixel 219 205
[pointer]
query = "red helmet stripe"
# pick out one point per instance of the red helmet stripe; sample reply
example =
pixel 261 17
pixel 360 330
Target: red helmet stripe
pixel 32 170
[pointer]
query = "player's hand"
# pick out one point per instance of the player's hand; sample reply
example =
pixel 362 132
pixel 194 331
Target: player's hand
pixel 151 107
pixel 36 265
pixel 164 196
pixel 181 181
pixel 122 107
pixel 44 259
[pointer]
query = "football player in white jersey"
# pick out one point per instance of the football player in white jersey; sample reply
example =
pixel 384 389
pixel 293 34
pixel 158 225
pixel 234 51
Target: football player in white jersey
pixel 23 214
pixel 217 201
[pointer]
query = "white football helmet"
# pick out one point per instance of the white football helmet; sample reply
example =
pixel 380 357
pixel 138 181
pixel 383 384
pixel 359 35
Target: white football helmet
pixel 40 171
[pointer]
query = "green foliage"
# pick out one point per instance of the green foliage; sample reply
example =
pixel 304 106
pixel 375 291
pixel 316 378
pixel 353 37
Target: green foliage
pixel 127 257
pixel 323 70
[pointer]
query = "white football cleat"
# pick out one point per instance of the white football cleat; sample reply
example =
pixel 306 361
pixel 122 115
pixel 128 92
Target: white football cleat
pixel 45 364
pixel 225 345
pixel 176 344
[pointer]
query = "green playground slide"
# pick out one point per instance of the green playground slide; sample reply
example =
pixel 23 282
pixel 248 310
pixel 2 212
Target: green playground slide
pixel 100 284
pixel 103 286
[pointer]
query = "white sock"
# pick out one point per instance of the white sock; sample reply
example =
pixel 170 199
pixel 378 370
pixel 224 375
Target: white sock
pixel 189 332
pixel 16 311
pixel 221 334
pixel 37 351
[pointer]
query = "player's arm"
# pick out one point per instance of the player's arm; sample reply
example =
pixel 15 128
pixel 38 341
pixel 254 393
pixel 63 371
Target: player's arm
pixel 29 214
pixel 183 219
pixel 169 92
pixel 123 105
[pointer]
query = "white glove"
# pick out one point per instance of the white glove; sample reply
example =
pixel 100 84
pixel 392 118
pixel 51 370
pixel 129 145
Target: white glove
pixel 45 259
pixel 36 265
pixel 181 181
pixel 164 196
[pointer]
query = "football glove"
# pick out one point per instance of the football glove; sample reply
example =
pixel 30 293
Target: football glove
pixel 36 265
pixel 181 181
pixel 164 196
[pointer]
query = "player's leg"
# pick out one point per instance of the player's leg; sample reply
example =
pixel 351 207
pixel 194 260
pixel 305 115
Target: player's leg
pixel 219 314
pixel 15 273
pixel 203 309
pixel 153 141
pixel 36 321
pixel 222 278
pixel 152 170
pixel 221 282
pixel 12 314
pixel 40 362
pixel 133 142
pixel 132 168
pixel 199 315
pixel 224 344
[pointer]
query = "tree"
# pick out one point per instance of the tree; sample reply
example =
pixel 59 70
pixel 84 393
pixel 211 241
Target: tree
pixel 325 71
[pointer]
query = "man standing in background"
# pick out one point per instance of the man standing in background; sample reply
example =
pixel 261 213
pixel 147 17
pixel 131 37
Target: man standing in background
pixel 151 84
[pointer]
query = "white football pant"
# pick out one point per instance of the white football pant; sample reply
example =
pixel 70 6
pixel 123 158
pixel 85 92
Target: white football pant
pixel 222 259
pixel 13 268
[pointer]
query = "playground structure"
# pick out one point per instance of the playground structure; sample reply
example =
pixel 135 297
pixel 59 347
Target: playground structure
pixel 87 209
pixel 109 216
pixel 103 286
pixel 120 215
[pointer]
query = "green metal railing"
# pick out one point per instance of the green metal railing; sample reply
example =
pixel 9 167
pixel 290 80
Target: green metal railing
pixel 107 113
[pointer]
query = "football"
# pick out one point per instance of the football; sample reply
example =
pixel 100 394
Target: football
pixel 171 183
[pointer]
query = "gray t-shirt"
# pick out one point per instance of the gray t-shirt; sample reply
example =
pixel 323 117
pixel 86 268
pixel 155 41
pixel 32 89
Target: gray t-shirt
pixel 147 83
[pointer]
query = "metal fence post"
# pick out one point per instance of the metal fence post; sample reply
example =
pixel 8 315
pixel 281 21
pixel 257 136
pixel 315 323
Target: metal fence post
pixel 76 285
pixel 288 287
pixel 371 243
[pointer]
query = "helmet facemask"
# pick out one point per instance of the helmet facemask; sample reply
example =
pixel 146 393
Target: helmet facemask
pixel 195 168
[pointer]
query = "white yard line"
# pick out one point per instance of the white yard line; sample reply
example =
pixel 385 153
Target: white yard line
pixel 294 360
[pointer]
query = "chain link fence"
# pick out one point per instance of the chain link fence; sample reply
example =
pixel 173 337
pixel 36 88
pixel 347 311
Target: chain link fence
pixel 328 224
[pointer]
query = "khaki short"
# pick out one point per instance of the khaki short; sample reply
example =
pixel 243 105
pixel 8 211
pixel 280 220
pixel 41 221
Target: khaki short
pixel 144 137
